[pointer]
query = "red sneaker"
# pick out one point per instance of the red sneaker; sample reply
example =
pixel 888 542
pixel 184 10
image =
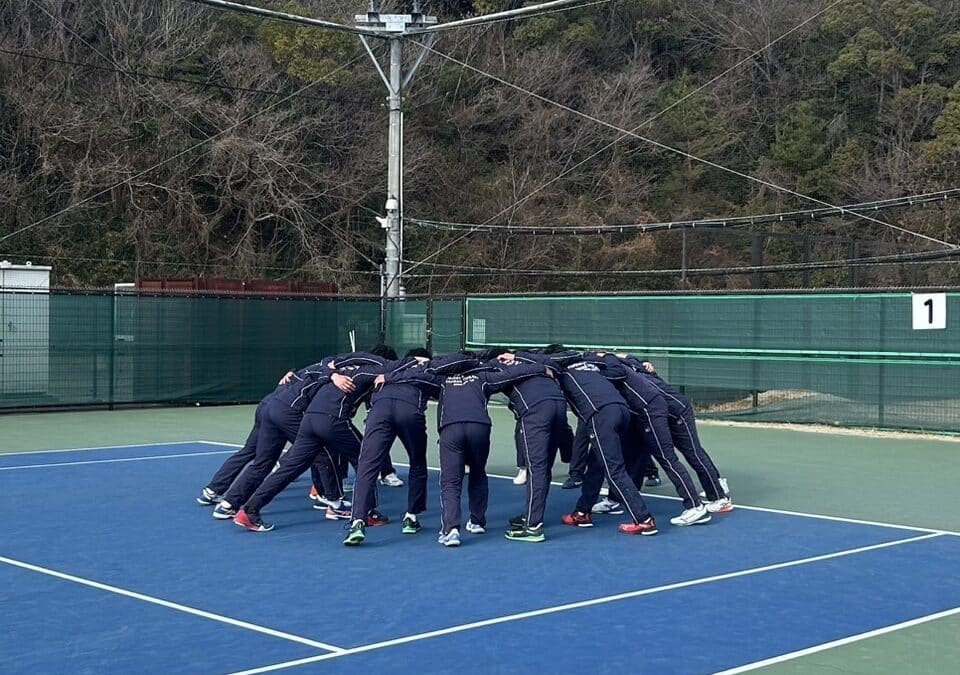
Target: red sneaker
pixel 251 521
pixel 579 519
pixel 646 528
pixel 375 518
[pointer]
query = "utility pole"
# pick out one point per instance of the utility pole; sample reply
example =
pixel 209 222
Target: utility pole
pixel 395 29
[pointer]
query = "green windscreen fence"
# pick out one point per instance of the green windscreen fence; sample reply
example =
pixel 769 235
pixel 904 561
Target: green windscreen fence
pixel 848 359
pixel 72 350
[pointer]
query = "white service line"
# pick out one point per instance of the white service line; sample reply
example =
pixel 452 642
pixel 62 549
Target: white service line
pixel 113 461
pixel 576 605
pixel 838 643
pixel 105 447
pixel 173 605
pixel 763 509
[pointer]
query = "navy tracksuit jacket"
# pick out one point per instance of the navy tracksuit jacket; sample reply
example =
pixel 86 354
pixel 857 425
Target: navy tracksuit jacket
pixel 683 431
pixel 541 411
pixel 598 404
pixel 464 425
pixel 651 424
pixel 276 423
pixel 325 432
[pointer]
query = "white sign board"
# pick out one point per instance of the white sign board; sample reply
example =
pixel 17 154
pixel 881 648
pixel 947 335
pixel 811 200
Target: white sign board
pixel 929 311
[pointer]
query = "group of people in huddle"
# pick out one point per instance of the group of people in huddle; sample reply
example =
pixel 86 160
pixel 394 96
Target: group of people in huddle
pixel 626 415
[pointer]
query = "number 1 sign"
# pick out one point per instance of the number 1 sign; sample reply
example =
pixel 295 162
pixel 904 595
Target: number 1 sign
pixel 929 311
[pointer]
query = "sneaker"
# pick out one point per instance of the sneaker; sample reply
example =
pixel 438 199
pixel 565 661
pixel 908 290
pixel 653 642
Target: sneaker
pixel 653 481
pixel 375 518
pixel 451 538
pixel 531 534
pixel 208 497
pixel 341 513
pixel 517 522
pixel 356 535
pixel 696 516
pixel 578 518
pixel 473 528
pixel 251 521
pixel 411 525
pixel 571 483
pixel 723 486
pixel 521 477
pixel 646 528
pixel 722 505
pixel 322 503
pixel 608 506
pixel 314 494
pixel 391 480
pixel 224 511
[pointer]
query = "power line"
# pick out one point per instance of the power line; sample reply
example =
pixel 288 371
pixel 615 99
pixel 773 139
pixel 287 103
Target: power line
pixel 677 151
pixel 703 223
pixel 167 78
pixel 891 259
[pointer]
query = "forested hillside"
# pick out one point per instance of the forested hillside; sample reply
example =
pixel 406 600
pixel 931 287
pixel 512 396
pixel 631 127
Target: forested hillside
pixel 179 140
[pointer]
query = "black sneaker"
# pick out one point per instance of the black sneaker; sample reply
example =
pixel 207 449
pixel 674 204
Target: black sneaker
pixel 517 522
pixel 571 483
pixel 356 534
pixel 531 534
pixel 411 525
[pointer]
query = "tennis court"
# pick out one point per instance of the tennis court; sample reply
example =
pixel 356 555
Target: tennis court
pixel 109 566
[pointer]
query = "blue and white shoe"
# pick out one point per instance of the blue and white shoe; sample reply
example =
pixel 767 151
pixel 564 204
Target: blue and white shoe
pixel 451 538
pixel 208 497
pixel 473 528
pixel 608 506
pixel 224 511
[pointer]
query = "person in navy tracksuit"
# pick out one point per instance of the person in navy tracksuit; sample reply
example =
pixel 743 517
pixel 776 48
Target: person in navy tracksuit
pixel 325 432
pixel 540 408
pixel 683 429
pixel 651 426
pixel 276 422
pixel 598 404
pixel 397 411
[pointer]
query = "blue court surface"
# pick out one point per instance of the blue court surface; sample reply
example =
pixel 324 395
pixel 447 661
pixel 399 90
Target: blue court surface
pixel 108 565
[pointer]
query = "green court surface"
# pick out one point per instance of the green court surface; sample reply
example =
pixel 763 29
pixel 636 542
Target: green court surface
pixel 902 479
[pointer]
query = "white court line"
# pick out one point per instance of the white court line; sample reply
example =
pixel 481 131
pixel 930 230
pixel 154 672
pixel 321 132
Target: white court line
pixel 173 605
pixel 113 461
pixel 576 605
pixel 838 643
pixel 105 447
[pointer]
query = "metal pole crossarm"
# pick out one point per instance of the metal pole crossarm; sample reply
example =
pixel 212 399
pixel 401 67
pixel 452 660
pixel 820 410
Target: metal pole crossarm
pixel 495 16
pixel 283 16
pixel 397 24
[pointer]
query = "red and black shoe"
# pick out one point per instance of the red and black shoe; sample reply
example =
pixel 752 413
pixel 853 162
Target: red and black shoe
pixel 578 518
pixel 251 521
pixel 375 518
pixel 646 528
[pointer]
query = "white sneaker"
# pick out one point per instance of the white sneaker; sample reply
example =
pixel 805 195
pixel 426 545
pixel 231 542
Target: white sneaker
pixel 695 516
pixel 391 480
pixel 451 538
pixel 722 505
pixel 723 486
pixel 473 528
pixel 521 477
pixel 608 506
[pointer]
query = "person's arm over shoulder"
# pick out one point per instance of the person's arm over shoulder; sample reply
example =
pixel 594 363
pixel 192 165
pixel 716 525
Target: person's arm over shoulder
pixel 452 364
pixel 498 380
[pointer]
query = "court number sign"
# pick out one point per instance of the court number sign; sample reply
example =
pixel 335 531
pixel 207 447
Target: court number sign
pixel 929 311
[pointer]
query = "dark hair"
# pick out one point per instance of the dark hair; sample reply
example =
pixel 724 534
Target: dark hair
pixel 384 351
pixel 419 351
pixel 467 352
pixel 554 348
pixel 492 353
